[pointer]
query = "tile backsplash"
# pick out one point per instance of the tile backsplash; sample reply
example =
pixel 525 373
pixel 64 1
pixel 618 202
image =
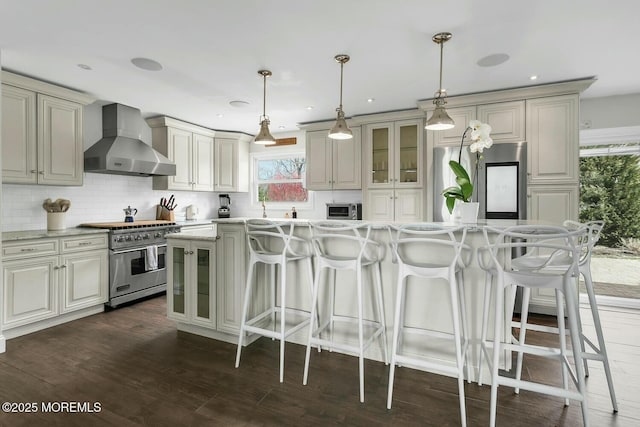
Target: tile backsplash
pixel 101 198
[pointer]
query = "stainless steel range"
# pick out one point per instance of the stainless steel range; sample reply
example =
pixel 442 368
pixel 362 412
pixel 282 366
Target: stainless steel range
pixel 137 259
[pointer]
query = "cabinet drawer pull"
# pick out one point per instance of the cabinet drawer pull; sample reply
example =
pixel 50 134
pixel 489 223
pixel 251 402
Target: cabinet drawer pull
pixel 33 171
pixel 27 249
pixel 84 243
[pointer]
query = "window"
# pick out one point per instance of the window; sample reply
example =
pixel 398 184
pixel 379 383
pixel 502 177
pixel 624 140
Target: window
pixel 279 179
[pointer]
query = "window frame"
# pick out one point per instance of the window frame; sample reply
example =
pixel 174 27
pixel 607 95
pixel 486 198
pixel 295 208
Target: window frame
pixel 280 154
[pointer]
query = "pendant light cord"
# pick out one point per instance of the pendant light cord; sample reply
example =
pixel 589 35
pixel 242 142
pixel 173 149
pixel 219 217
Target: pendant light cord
pixel 341 73
pixel 441 50
pixel 264 95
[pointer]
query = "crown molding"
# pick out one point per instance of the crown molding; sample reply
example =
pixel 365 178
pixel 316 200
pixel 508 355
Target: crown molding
pixel 513 94
pixel 45 88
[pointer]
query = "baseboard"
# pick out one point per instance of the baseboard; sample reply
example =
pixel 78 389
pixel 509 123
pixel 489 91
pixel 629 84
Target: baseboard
pixel 607 301
pixel 3 344
pixel 54 321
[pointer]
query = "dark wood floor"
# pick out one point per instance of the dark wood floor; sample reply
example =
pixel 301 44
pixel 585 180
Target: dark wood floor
pixel 142 372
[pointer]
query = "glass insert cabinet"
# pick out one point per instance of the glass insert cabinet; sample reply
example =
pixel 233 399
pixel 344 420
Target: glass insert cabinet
pixel 191 282
pixel 394 154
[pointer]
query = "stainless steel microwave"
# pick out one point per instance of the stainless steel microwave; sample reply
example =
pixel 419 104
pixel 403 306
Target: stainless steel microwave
pixel 345 211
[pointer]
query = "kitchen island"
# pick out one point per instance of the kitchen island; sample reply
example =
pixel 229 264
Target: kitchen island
pixel 207 276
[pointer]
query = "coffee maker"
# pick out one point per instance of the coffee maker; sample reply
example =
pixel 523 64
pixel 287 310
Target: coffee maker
pixel 224 211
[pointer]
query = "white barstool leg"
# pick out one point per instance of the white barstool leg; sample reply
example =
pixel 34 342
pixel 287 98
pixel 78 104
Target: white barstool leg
pixel 572 307
pixel 497 328
pixel 245 310
pixel 283 302
pixel 380 307
pixel 465 324
pixel 602 348
pixel 360 333
pixel 398 321
pixel 486 305
pixel 314 313
pixel 562 335
pixel 455 310
pixel 524 317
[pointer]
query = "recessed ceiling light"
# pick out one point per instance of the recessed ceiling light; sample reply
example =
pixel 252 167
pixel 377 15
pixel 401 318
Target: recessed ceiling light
pixel 370 100
pixel 281 127
pixel 493 60
pixel 309 107
pixel 534 77
pixel 84 66
pixel 220 116
pixel 239 104
pixel 147 64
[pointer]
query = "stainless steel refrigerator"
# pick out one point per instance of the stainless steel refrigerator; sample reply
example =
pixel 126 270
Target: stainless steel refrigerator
pixel 501 186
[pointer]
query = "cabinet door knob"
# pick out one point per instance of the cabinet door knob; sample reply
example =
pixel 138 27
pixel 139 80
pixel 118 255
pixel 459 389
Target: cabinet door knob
pixel 55 267
pixel 41 172
pixel 33 171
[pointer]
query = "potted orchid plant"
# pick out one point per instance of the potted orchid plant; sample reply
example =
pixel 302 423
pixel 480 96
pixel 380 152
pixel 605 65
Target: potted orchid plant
pixel 481 139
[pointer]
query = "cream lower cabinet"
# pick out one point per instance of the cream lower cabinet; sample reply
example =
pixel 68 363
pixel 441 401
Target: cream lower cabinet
pixel 550 204
pixel 46 279
pixel 30 291
pixel 399 205
pixel 333 164
pixel 191 291
pixel 41 132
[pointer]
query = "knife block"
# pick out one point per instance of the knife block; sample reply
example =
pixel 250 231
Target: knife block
pixel 165 214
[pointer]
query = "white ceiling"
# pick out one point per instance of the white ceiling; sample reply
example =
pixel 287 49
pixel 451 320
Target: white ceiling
pixel 211 51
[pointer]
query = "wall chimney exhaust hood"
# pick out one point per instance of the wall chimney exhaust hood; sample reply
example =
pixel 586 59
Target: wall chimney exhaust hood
pixel 121 151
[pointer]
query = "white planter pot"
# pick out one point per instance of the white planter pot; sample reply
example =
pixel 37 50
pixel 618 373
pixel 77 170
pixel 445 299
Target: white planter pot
pixel 466 213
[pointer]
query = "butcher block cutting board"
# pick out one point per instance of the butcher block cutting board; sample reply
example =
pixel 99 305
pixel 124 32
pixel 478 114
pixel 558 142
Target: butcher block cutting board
pixel 140 223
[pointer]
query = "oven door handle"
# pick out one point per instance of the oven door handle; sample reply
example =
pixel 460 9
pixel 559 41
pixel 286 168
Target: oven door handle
pixel 137 249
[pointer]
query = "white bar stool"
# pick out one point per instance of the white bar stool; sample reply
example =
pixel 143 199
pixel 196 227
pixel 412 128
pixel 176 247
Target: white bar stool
pixel 431 251
pixel 547 243
pixel 594 352
pixel 346 246
pixel 269 244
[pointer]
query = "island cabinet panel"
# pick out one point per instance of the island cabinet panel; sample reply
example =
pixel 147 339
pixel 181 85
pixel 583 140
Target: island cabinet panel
pixel 231 276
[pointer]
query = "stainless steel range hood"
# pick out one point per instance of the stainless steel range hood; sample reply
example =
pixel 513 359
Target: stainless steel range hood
pixel 120 151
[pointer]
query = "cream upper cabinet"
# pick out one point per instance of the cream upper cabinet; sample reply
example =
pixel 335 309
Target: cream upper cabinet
pixel 19 161
pixel 507 120
pixel 393 154
pixel 333 164
pixel 191 148
pixel 461 117
pixel 41 132
pixel 552 140
pixel 232 162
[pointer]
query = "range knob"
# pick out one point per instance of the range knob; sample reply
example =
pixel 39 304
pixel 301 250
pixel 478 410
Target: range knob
pixel 128 238
pixel 158 234
pixel 145 236
pixel 138 237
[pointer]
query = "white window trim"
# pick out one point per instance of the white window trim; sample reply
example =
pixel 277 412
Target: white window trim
pixel 261 155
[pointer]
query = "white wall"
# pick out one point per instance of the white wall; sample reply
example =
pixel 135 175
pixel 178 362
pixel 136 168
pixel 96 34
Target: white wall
pixel 611 111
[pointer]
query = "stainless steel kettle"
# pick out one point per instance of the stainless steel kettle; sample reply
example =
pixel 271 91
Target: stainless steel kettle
pixel 129 213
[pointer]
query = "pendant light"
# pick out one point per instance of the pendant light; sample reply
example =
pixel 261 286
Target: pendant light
pixel 440 120
pixel 340 130
pixel 264 137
